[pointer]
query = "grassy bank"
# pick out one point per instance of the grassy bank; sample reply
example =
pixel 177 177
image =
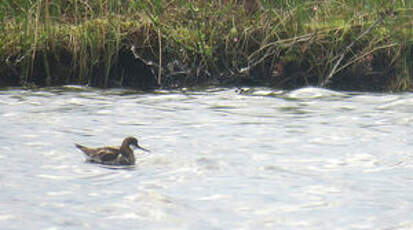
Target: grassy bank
pixel 342 44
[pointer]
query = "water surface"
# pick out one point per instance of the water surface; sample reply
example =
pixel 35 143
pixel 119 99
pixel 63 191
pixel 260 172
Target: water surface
pixel 304 159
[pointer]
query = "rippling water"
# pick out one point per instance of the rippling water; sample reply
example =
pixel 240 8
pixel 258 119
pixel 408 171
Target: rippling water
pixel 304 159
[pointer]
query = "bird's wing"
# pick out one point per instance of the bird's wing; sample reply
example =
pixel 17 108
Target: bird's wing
pixel 106 153
pixel 88 151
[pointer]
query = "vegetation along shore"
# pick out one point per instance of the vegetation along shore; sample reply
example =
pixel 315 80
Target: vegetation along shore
pixel 147 44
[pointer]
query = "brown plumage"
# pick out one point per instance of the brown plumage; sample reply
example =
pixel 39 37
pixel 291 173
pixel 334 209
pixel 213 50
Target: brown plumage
pixel 122 155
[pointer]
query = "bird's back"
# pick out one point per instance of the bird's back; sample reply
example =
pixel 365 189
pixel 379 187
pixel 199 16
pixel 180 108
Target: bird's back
pixel 100 154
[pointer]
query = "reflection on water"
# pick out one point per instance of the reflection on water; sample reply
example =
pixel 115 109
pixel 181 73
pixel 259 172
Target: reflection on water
pixel 304 159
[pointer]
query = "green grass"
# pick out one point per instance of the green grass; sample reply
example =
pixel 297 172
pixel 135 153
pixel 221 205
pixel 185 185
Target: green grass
pixel 289 43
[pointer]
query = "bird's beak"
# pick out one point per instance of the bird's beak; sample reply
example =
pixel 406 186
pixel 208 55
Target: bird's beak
pixel 142 148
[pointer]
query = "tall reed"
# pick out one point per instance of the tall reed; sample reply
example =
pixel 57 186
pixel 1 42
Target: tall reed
pixel 183 42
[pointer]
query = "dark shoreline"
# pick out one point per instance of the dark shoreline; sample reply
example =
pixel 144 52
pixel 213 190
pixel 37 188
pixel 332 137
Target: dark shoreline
pixel 143 77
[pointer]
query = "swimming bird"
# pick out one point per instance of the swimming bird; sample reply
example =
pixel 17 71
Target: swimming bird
pixel 122 155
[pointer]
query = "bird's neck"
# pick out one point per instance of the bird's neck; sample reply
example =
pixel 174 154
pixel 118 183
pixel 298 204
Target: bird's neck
pixel 127 152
